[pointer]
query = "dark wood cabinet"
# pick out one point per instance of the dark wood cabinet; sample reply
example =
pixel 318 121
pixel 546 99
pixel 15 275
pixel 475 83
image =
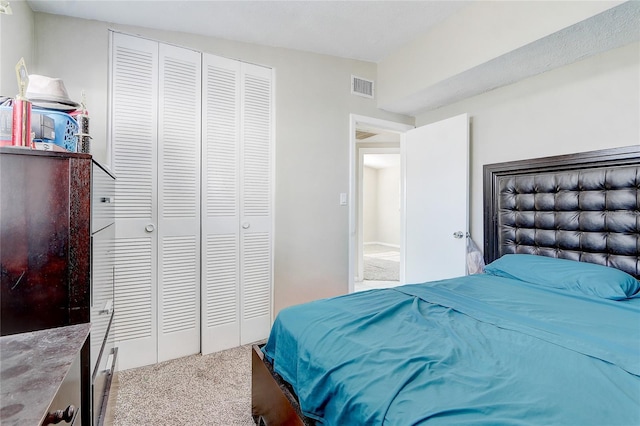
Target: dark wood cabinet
pixel 45 211
pixel 57 236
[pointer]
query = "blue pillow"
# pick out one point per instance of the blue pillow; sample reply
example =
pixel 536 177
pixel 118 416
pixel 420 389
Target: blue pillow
pixel 588 278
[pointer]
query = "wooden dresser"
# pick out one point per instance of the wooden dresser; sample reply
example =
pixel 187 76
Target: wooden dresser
pixel 57 256
pixel 41 376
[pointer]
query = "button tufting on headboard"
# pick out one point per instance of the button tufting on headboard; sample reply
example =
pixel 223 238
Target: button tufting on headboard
pixel 583 207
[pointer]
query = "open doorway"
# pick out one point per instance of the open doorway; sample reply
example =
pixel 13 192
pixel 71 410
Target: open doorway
pixel 377 143
pixel 380 205
pixel 430 243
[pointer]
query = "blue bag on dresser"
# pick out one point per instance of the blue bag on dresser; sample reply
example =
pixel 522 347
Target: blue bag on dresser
pixel 55 127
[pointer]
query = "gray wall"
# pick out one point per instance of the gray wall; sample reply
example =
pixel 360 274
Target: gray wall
pixel 16 41
pixel 389 205
pixel 472 37
pixel 381 199
pixel 589 105
pixel 313 103
pixel 369 204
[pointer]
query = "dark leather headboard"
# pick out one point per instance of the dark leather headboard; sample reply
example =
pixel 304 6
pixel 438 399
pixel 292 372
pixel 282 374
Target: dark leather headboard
pixel 583 207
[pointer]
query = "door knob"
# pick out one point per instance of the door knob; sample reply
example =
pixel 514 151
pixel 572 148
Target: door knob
pixel 458 235
pixel 246 225
pixel 150 228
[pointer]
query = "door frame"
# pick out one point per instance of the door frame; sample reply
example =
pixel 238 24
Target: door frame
pixel 356 121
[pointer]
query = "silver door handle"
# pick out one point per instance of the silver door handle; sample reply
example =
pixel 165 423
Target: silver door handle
pixel 458 235
pixel 246 225
pixel 150 227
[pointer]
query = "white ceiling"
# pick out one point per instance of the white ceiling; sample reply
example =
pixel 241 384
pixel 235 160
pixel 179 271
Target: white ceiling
pixel 364 30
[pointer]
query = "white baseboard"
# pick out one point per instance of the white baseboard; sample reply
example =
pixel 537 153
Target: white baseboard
pixel 382 244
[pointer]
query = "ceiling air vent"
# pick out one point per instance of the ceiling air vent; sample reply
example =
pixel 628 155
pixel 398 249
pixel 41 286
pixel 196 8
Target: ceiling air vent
pixel 361 87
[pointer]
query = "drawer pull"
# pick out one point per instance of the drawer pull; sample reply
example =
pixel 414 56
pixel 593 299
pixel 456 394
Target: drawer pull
pixel 108 307
pixel 58 416
pixel 106 199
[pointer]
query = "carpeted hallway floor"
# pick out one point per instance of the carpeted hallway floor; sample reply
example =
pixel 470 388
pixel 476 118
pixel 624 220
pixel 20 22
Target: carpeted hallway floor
pixel 381 267
pixel 213 389
pixel 381 263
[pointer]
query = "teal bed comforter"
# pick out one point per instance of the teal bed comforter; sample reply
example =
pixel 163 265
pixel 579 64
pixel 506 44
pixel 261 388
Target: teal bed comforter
pixel 489 349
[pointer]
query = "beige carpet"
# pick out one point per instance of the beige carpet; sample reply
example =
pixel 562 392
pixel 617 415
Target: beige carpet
pixel 212 389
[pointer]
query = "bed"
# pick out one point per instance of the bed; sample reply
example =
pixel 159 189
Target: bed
pixel 549 334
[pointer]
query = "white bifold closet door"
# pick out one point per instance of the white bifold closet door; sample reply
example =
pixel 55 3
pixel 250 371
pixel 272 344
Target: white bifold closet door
pixel 155 127
pixel 237 269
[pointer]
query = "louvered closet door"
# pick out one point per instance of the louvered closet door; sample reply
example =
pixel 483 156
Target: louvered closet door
pixel 256 202
pixel 236 203
pixel 155 122
pixel 220 204
pixel 178 230
pixel 134 135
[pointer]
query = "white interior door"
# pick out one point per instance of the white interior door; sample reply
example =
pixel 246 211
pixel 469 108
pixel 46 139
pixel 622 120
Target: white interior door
pixel 155 135
pixel 256 182
pixel 134 135
pixel 436 197
pixel 236 203
pixel 179 95
pixel 220 204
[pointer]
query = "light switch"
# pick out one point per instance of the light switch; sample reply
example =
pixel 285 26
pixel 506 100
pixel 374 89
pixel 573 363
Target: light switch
pixel 343 199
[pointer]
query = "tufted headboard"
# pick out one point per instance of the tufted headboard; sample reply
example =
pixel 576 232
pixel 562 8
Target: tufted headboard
pixel 583 207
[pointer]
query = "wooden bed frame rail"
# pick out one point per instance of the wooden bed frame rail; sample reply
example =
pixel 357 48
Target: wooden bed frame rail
pixel 272 401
